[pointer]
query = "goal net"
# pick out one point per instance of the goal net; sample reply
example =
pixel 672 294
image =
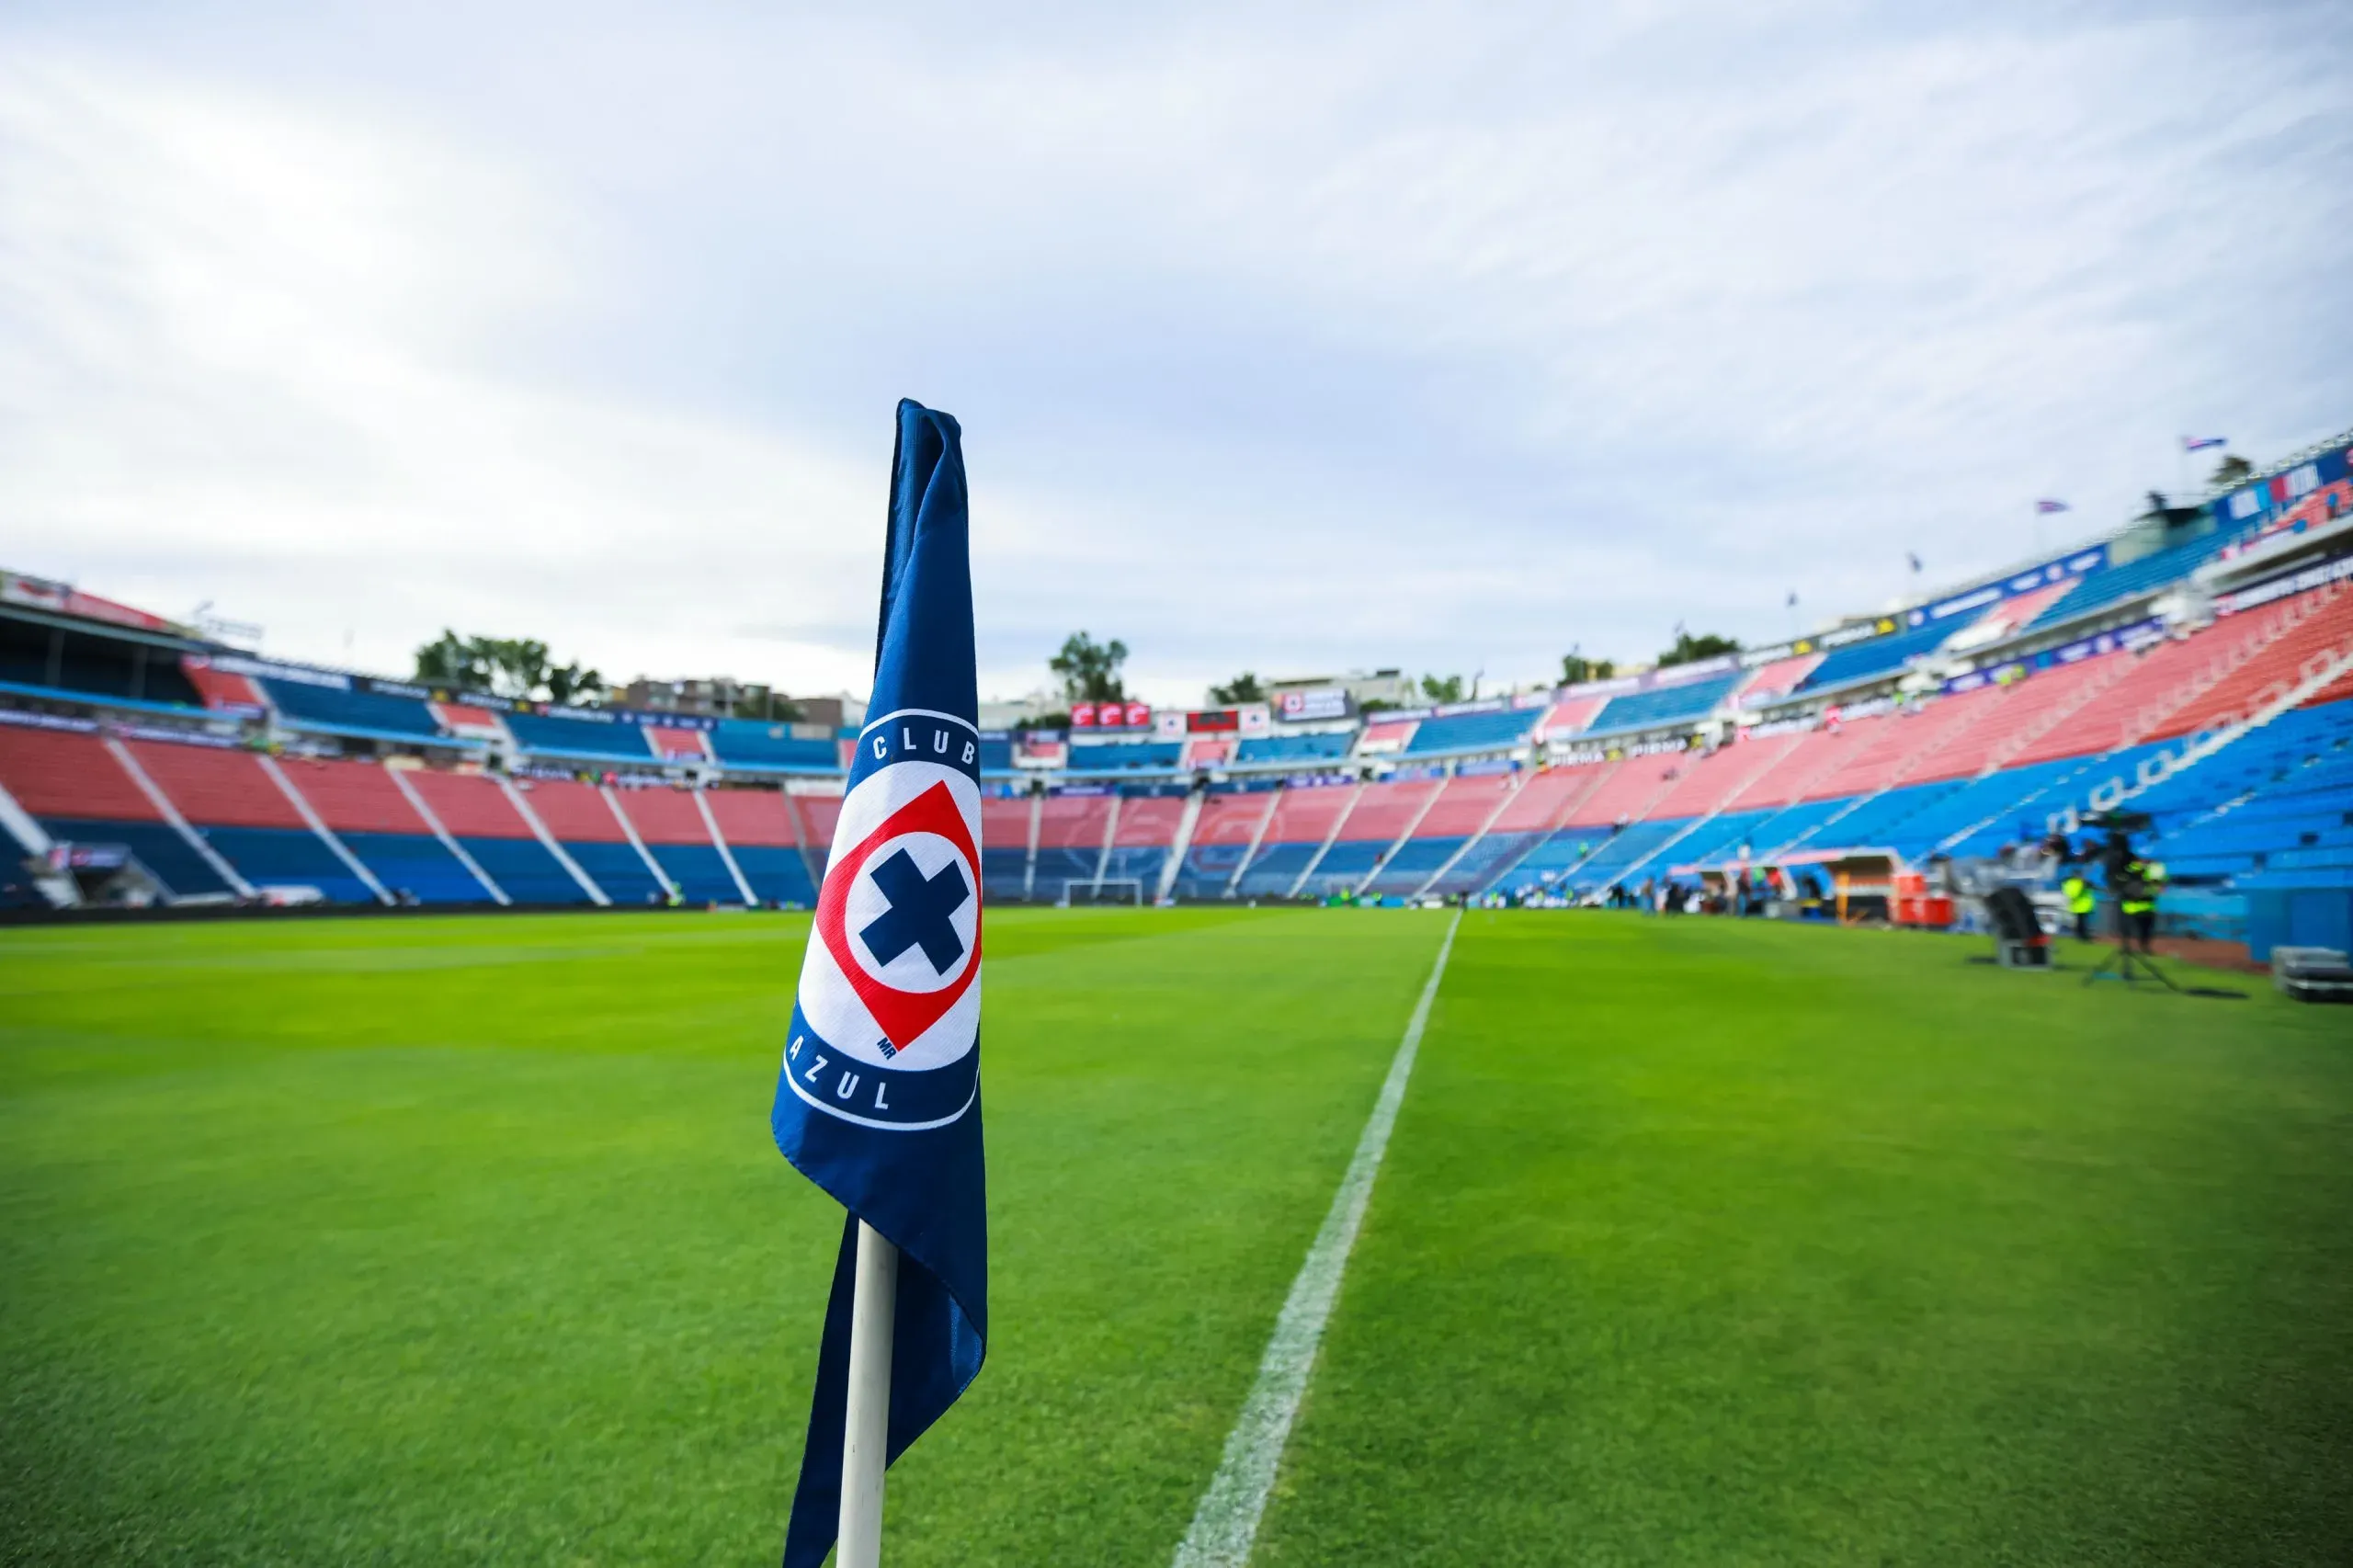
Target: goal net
pixel 1111 890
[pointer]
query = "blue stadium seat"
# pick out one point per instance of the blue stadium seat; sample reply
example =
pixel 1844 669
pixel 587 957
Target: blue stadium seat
pixel 2100 589
pixel 701 874
pixel 286 857
pixel 1876 656
pixel 588 740
pixel 324 706
pixel 1003 871
pixel 777 874
pixel 1295 748
pixel 1667 705
pixel 1109 757
pixel 417 863
pixel 746 743
pixel 1471 732
pixel 616 868
pixel 524 870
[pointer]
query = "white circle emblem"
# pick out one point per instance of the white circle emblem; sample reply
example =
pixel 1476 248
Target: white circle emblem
pixel 910 928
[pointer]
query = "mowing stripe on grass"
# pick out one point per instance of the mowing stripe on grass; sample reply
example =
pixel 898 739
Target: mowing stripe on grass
pixel 1227 1520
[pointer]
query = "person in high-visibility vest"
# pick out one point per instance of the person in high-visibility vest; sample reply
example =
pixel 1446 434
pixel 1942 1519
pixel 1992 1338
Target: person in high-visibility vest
pixel 2136 897
pixel 2081 901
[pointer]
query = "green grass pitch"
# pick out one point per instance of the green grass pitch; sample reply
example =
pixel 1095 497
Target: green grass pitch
pixel 461 1240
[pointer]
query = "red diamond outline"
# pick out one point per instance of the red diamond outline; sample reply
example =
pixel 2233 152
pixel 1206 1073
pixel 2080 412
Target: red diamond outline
pixel 904 1014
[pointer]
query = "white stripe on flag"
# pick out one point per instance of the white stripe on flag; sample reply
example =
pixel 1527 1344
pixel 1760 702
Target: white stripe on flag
pixel 1226 1523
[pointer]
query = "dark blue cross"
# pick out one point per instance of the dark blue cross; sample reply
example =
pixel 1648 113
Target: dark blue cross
pixel 918 915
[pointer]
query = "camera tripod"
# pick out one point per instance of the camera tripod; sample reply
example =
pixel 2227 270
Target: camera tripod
pixel 2124 964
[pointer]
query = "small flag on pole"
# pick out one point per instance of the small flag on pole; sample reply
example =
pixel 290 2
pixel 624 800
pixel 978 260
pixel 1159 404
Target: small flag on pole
pixel 2200 443
pixel 877 1100
pixel 2047 507
pixel 1914 558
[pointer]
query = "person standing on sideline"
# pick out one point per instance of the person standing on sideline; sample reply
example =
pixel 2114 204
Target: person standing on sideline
pixel 2081 901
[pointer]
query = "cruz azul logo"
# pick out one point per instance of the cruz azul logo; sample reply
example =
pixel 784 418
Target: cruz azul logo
pixel 887 1021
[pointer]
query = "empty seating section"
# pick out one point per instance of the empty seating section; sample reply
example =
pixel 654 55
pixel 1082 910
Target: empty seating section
pixel 64 773
pixel 1380 816
pixel 1872 750
pixel 1782 677
pixel 2097 590
pixel 1124 756
pixel 216 788
pixel 1386 735
pixel 1627 791
pixel 2020 713
pixel 1221 836
pixel 2020 610
pixel 335 710
pixel 674 743
pixel 1571 715
pixel 1666 705
pixel 762 834
pixel 220 689
pixel 359 803
pixel 1453 734
pixel 70 783
pixel 1140 844
pixel 1452 822
pixel 1070 841
pixel 2149 685
pixel 1707 780
pixel 588 739
pixel 1294 748
pixel 996 753
pixel 475 811
pixel 2310 632
pixel 1875 656
pixel 580 819
pixel 674 833
pixel 1302 820
pixel 1005 845
pixel 287 858
pixel 746 744
pixel 818 815
pixel 1204 751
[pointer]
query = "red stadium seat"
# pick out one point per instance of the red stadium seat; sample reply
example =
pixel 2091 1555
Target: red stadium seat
pixel 56 773
pixel 353 797
pixel 216 788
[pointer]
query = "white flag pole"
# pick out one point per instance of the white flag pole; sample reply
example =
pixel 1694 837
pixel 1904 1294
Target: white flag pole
pixel 866 1433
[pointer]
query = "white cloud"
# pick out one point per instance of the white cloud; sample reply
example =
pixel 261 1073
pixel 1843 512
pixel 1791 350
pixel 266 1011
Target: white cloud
pixel 1296 342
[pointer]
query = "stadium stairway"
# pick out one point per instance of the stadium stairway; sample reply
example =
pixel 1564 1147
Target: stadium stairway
pixel 484 820
pixel 672 827
pixel 762 836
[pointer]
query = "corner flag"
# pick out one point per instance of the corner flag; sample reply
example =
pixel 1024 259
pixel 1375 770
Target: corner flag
pixel 877 1100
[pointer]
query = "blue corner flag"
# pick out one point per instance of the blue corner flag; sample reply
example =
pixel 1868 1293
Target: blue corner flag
pixel 877 1100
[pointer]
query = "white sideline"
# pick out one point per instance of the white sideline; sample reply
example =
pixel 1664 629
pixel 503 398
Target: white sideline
pixel 1226 1523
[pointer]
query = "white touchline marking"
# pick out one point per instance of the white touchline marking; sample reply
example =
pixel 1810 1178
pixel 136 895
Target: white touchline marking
pixel 1226 1523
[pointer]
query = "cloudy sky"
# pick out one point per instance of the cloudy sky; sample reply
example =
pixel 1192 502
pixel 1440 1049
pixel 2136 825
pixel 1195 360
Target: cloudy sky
pixel 1287 338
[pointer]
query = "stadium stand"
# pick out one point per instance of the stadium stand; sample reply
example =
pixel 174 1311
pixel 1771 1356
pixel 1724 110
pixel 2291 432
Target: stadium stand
pixel 563 739
pixel 367 714
pixel 1452 735
pixel 71 784
pixel 247 820
pixel 482 821
pixel 1665 705
pixel 1875 656
pixel 1304 820
pixel 583 819
pixel 2225 711
pixel 1005 845
pixel 1462 806
pixel 670 825
pixel 2114 585
pixel 761 833
pixel 1229 824
pixel 745 743
pixel 1142 839
pixel 1313 748
pixel 1378 818
pixel 367 810
pixel 1071 830
pixel 1124 756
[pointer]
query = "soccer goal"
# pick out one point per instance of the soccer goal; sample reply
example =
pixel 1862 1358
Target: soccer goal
pixel 1111 890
